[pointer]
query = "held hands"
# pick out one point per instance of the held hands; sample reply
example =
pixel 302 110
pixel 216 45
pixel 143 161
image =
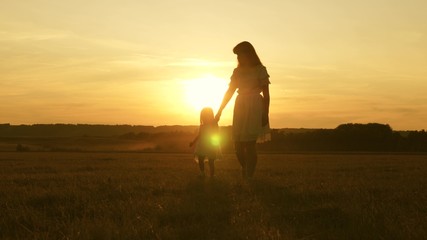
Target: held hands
pixel 218 115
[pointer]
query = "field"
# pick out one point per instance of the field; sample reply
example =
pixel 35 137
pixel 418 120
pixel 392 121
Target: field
pixel 160 196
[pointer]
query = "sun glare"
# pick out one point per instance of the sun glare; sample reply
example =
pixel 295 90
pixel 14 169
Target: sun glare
pixel 206 91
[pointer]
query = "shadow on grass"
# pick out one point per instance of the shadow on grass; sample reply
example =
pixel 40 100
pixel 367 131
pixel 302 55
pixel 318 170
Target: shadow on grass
pixel 202 213
pixel 305 216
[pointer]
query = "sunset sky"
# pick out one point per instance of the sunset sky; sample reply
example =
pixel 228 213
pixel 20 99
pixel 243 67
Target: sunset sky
pixel 151 62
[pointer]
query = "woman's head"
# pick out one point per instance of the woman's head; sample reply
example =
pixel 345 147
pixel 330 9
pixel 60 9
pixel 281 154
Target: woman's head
pixel 207 116
pixel 246 55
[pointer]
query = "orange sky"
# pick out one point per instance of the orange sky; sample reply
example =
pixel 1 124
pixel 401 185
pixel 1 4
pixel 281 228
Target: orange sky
pixel 147 62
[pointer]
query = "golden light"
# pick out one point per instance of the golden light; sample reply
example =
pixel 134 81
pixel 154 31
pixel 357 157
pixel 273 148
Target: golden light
pixel 206 91
pixel 215 140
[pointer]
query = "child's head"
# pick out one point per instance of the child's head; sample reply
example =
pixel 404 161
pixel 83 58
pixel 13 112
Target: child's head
pixel 207 116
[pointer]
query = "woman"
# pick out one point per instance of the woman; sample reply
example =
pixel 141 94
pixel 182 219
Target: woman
pixel 250 117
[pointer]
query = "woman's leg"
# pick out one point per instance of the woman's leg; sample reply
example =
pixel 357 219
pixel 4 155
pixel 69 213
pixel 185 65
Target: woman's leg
pixel 241 155
pixel 212 167
pixel 251 157
pixel 201 160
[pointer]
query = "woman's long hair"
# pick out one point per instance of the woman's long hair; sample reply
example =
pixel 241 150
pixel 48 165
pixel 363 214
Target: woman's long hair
pixel 246 49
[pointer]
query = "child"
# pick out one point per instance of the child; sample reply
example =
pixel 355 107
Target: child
pixel 207 141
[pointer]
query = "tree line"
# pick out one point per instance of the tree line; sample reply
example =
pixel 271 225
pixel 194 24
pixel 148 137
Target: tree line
pixel 348 137
pixel 372 137
pixel 77 130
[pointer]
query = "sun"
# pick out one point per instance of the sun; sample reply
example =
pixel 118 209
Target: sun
pixel 206 91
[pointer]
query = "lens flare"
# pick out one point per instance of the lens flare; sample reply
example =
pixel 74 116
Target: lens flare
pixel 215 140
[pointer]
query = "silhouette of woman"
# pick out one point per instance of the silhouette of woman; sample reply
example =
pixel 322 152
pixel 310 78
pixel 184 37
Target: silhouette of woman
pixel 250 117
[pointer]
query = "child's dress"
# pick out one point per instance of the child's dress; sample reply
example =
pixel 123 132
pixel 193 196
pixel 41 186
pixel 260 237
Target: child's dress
pixel 208 144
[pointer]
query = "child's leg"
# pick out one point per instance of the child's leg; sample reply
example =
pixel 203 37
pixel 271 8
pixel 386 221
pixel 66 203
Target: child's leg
pixel 252 157
pixel 201 160
pixel 241 155
pixel 212 167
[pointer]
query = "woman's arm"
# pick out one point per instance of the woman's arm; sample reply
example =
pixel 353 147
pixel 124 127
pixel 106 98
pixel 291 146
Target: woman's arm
pixel 266 104
pixel 227 96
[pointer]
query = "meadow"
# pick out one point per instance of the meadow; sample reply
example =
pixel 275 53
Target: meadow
pixel 50 195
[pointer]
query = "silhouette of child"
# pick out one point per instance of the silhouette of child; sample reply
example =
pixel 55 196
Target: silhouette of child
pixel 207 141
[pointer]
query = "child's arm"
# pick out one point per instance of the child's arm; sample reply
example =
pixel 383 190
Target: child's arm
pixel 195 140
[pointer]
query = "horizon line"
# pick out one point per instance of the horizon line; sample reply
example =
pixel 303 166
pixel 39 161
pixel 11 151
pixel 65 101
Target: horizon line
pixel 189 125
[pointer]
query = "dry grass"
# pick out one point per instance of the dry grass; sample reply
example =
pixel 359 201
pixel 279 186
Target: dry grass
pixel 159 196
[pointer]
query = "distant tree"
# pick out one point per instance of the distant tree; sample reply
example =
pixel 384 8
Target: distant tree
pixel 364 137
pixel 417 140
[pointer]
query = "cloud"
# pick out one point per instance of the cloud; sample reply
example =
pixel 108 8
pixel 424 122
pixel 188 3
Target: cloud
pixel 50 55
pixel 194 62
